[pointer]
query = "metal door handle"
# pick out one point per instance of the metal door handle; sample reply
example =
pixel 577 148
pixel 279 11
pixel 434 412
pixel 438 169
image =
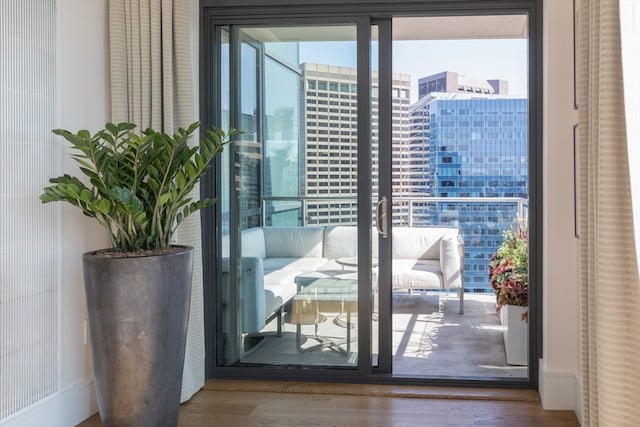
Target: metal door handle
pixel 381 217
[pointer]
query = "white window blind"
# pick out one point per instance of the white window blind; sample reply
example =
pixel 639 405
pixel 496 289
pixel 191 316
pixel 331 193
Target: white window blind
pixel 29 231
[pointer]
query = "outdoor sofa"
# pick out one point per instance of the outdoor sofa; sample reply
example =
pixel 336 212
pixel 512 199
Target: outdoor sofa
pixel 273 258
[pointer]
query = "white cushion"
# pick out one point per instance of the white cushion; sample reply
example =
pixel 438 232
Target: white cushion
pixel 416 274
pixel 253 243
pixel 450 262
pixel 301 264
pixel 332 266
pixel 340 242
pixel 419 242
pixel 293 242
pixel 279 287
pixel 253 293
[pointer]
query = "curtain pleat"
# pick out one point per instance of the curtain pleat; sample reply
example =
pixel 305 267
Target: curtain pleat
pixel 152 86
pixel 155 19
pixel 609 273
pixel 118 53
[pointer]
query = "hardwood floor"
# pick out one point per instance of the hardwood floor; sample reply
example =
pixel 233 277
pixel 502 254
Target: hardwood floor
pixel 294 404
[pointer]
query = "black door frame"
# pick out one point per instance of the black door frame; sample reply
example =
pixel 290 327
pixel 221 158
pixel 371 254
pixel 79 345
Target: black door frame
pixel 272 12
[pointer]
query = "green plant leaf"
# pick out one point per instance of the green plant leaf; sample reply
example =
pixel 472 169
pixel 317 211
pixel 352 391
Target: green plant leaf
pixel 180 179
pixel 163 199
pixel 140 183
pixel 102 206
pixel 86 196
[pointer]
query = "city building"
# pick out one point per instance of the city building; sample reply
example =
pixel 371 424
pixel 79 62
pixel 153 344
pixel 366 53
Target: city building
pixel 331 138
pixel 452 82
pixel 470 150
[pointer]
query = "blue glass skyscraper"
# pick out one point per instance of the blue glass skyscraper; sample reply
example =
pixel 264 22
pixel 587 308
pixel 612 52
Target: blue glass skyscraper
pixel 473 150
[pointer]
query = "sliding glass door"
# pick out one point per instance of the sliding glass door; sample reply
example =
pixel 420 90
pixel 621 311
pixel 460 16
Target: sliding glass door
pixel 460 189
pixel 294 197
pixel 380 164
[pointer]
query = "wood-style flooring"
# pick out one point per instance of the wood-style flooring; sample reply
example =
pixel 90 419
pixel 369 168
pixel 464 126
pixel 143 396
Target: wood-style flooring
pixel 240 403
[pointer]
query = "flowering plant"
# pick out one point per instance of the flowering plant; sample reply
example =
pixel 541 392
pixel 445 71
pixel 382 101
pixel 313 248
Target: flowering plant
pixel 508 269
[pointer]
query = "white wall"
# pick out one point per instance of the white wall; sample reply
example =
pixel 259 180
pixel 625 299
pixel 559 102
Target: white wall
pixel 83 102
pixel 559 366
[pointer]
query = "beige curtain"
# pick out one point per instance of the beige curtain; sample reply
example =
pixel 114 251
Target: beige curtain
pixel 609 272
pixel 152 86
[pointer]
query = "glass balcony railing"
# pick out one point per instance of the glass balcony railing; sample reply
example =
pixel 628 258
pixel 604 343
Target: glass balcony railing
pixel 408 211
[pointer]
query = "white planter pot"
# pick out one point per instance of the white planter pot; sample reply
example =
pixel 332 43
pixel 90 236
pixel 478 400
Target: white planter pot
pixel 516 336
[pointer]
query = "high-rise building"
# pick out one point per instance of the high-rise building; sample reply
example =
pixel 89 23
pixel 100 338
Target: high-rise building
pixel 452 82
pixel 331 138
pixel 468 146
pixel 473 148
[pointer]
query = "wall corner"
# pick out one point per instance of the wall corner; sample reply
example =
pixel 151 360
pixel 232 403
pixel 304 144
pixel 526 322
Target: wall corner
pixel 559 390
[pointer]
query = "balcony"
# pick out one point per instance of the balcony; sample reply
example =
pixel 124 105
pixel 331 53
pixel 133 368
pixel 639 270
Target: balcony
pixel 430 338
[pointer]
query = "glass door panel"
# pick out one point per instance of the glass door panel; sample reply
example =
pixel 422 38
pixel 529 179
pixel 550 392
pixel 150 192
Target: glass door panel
pixel 378 170
pixel 375 195
pixel 460 182
pixel 381 126
pixel 445 163
pixel 290 286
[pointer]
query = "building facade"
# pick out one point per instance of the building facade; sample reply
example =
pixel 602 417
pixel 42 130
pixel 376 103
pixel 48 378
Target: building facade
pixel 452 82
pixel 472 150
pixel 331 138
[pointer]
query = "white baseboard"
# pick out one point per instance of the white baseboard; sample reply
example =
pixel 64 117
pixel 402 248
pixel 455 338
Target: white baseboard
pixel 558 389
pixel 579 402
pixel 65 408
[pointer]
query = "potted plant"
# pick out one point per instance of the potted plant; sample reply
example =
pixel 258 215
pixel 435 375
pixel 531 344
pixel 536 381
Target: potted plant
pixel 509 278
pixel 138 291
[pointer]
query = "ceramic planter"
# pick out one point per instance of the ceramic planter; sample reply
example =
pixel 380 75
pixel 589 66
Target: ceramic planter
pixel 516 336
pixel 138 314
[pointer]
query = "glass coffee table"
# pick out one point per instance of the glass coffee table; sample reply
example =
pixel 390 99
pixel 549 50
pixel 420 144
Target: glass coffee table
pixel 325 295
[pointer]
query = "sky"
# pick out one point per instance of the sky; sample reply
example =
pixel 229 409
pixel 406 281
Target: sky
pixel 504 59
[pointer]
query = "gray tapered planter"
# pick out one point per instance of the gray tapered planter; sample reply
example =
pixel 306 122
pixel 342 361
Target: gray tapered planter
pixel 138 315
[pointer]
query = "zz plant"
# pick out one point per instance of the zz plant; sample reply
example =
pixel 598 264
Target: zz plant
pixel 140 184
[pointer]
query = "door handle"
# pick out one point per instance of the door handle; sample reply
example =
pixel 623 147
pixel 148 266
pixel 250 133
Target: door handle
pixel 381 217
